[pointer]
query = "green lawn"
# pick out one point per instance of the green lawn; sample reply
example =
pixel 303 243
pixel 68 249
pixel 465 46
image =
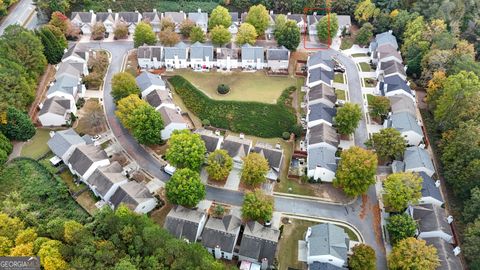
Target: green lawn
pixel 244 86
pixel 347 43
pixel 369 82
pixel 359 55
pixel 37 146
pixel 338 78
pixel 341 94
pixel 365 67
pixel 296 187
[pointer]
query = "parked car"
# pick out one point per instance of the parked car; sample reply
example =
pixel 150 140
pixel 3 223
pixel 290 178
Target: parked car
pixel 169 169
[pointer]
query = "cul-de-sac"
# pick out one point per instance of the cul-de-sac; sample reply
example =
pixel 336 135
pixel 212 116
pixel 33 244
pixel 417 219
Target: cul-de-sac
pixel 239 134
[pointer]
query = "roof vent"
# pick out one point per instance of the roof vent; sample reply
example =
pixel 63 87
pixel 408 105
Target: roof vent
pixel 217 132
pixel 277 146
pixel 450 219
pixel 437 183
pixel 242 136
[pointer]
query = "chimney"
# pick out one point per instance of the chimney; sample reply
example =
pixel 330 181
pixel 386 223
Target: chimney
pixel 91 11
pixel 271 12
pixel 199 10
pixel 449 219
pixel 155 10
pixel 264 264
pixel 109 10
pixel 242 136
pixel 217 132
pixel 437 183
pixel 314 13
pixel 277 146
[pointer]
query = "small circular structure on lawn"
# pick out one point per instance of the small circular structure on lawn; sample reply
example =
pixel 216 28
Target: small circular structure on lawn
pixel 223 89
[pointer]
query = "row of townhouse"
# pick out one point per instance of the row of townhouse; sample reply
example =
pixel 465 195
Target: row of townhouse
pixel 201 57
pixel 239 147
pixel 322 138
pixel 91 164
pixel 433 221
pixel 225 237
pixel 64 92
pixel 393 84
pixel 86 20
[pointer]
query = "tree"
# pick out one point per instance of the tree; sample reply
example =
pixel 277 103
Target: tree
pixel 402 189
pixel 186 27
pixel 197 35
pixel 344 7
pixel 280 22
pixel 257 206
pixel 365 34
pixel 121 31
pixel 73 32
pixel 327 28
pixel 363 258
pixel 6 148
pixel 379 106
pixel 219 165
pixel 46 7
pixel 382 22
pixel 258 17
pixel 471 209
pixel 220 35
pixel 185 188
pixel 168 37
pixel 470 243
pixel 347 118
pixel 399 22
pixel 17 88
pixel 288 35
pixel 246 34
pixel 167 23
pixel 53 48
pixel 98 31
pixel 74 232
pixel 126 106
pixel 219 16
pixel 23 47
pixel 147 125
pixel 415 46
pixel 255 168
pixel 144 35
pixel 60 21
pixel 356 171
pixel 411 253
pixel 365 11
pixel 186 150
pixel 19 126
pixel 388 143
pixel 60 37
pixel 400 227
pixel 123 85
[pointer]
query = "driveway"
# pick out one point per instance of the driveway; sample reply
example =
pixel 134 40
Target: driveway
pixel 361 214
pixel 233 180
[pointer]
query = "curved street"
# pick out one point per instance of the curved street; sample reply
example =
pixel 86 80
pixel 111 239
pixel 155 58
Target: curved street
pixel 363 213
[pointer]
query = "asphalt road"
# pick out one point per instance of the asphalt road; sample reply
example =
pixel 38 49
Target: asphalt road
pixel 359 216
pixel 18 15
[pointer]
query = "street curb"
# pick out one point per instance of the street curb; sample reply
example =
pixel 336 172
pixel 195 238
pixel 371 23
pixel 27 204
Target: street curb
pixel 328 220
pixel 311 198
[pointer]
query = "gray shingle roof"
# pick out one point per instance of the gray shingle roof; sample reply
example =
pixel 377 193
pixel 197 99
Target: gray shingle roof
pixel 321 111
pixel 235 17
pixel 323 133
pixel 129 17
pixel 296 17
pixel 144 52
pixel 183 223
pixel 198 17
pixel 322 91
pixel 259 242
pixel 448 260
pixel 320 74
pixel 103 16
pixel 147 79
pixel 177 17
pixel 431 218
pixel 323 266
pixel 278 53
pixel 64 83
pixel 224 53
pixel 236 146
pixel 252 53
pixel 322 157
pixel 395 82
pixel 73 69
pixel 170 116
pixel 158 97
pixel 71 52
pixel 84 156
pixel 85 17
pixel 63 140
pixel 131 194
pixel 211 139
pixel 55 105
pixel 416 157
pixel 151 16
pixel 429 189
pixel 404 121
pixel 201 51
pixel 402 103
pixel 391 67
pixel 104 178
pixel 221 232
pixel 271 154
pixel 328 239
pixel 386 38
pixel 320 58
pixel 179 50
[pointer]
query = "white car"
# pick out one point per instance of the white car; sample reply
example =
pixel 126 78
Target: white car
pixel 169 169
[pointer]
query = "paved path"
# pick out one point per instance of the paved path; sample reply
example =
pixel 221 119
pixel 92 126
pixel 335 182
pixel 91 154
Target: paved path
pixel 19 14
pixel 359 214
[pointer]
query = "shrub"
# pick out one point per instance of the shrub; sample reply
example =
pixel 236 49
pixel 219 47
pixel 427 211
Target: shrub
pixel 223 89
pixel 253 118
pixel 205 122
pixel 286 135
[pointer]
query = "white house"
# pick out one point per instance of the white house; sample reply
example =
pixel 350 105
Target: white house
pixel 63 143
pixel 253 58
pixel 131 19
pixel 321 163
pixel 176 57
pixel 176 17
pixel 84 21
pixel 200 19
pixel 67 87
pixel 55 112
pixel 299 19
pixel 278 58
pixel 85 159
pixel 159 99
pixel 184 223
pixel 73 56
pixel 172 120
pixel 227 59
pixel 430 191
pixel 324 244
pixel 320 70
pixel 395 85
pixel 408 126
pixel 433 222
pixel 259 244
pixel 201 57
pixel 108 20
pixel 220 236
pixel 150 57
pixel 274 156
pixel 148 82
pixel 153 18
pixel 105 181
pixel 418 160
pixel 135 196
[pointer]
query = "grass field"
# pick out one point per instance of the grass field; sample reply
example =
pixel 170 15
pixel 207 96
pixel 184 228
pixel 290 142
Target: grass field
pixel 359 55
pixel 341 94
pixel 338 78
pixel 365 67
pixel 37 146
pixel 369 82
pixel 296 187
pixel 244 86
pixel 347 43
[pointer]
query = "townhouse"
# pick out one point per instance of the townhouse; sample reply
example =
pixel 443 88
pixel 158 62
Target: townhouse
pixel 108 19
pixel 177 18
pixel 176 57
pixel 233 28
pixel 84 21
pixel 130 19
pixel 201 57
pixel 253 57
pixel 184 223
pixel 150 57
pixel 154 18
pixel 344 22
pixel 278 59
pixel 237 148
pixel 212 140
pixel 274 157
pixel 200 19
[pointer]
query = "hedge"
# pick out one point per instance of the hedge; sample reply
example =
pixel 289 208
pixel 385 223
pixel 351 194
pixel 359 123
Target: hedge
pixel 253 118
